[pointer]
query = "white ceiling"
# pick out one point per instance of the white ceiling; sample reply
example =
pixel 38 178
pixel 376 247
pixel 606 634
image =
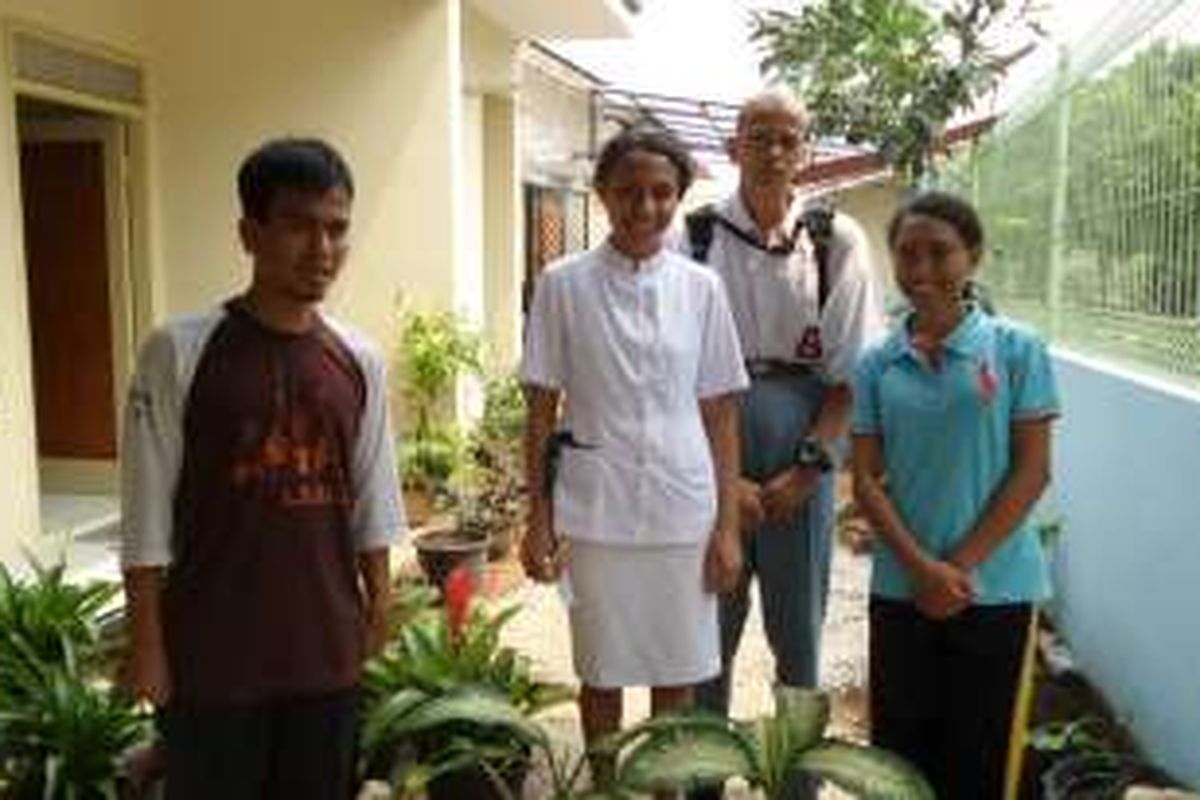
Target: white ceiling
pixel 559 19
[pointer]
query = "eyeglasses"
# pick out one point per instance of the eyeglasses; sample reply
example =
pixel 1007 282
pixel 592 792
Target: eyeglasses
pixel 766 138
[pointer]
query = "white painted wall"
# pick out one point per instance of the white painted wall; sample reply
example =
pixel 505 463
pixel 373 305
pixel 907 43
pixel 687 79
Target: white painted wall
pixel 1127 479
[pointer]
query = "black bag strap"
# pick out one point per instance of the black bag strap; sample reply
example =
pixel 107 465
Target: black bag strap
pixel 818 221
pixel 701 227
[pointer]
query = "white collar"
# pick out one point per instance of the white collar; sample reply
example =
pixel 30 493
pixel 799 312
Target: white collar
pixel 631 267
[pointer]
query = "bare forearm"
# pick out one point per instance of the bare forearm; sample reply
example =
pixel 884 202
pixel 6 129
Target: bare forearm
pixel 541 417
pixel 1011 503
pixel 1024 484
pixel 879 509
pixel 833 417
pixel 374 570
pixel 875 503
pixel 143 598
pixel 720 415
pixel 148 674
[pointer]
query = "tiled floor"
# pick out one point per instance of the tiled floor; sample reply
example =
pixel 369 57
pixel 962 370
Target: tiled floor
pixel 83 530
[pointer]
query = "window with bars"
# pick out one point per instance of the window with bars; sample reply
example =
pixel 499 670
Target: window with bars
pixel 556 224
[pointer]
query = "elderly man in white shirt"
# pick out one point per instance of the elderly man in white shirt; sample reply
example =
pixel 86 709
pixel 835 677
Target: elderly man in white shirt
pixel 639 344
pixel 803 317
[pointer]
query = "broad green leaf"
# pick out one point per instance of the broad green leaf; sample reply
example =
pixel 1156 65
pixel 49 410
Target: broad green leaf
pixel 667 724
pixel 805 712
pixel 684 759
pixel 471 707
pixel 866 772
pixel 382 721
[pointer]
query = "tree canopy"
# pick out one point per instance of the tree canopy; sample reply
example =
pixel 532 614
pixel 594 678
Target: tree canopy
pixel 891 73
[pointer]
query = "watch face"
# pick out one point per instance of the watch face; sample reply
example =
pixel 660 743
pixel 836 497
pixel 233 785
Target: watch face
pixel 811 454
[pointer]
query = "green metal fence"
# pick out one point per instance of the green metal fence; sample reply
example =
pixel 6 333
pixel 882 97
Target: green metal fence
pixel 1091 193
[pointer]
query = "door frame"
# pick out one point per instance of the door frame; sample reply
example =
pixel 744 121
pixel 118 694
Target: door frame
pixel 91 476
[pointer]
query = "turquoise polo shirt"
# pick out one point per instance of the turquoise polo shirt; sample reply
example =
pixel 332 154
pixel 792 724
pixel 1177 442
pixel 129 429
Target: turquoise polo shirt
pixel 946 439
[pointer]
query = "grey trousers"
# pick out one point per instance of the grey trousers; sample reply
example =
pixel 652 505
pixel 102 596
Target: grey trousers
pixel 790 557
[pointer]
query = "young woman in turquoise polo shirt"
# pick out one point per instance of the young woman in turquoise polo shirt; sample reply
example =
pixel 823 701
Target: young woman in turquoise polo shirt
pixel 952 428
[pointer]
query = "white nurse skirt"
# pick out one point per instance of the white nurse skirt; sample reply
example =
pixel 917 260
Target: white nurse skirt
pixel 640 615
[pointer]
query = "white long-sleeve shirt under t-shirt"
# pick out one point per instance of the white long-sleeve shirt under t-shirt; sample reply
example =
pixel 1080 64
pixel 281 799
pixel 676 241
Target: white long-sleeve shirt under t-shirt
pixel 775 301
pixel 633 347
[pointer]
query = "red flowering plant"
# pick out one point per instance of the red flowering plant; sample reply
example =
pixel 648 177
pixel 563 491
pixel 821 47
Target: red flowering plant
pixel 457 593
pixel 448 649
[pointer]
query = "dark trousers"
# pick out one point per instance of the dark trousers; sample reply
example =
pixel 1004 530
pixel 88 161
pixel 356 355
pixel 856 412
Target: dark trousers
pixel 294 748
pixel 943 692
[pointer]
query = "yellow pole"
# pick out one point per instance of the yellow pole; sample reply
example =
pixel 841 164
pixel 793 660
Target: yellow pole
pixel 1019 734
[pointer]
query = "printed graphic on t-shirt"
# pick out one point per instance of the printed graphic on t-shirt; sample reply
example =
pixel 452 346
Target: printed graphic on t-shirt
pixel 294 465
pixel 810 348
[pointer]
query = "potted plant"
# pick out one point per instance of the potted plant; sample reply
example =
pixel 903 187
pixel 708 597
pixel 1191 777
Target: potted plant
pixel 687 751
pixel 64 729
pixel 430 460
pixel 1090 761
pixel 674 752
pixel 495 477
pixel 436 348
pixel 460 540
pixel 446 665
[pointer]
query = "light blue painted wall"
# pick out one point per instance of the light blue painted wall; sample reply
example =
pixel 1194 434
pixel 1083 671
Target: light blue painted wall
pixel 1127 482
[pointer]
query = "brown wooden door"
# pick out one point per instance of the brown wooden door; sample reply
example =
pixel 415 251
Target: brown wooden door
pixel 63 193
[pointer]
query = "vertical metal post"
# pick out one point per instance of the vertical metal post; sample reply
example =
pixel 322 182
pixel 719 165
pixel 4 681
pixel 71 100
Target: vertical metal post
pixel 973 163
pixel 1061 173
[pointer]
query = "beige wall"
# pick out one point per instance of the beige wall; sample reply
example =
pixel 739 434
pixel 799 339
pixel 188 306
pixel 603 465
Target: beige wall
pixel 555 120
pixel 469 272
pixel 18 461
pixel 488 51
pixel 378 78
pixel 492 184
pixel 104 25
pixel 872 204
pixel 383 80
pixel 116 24
pixel 503 230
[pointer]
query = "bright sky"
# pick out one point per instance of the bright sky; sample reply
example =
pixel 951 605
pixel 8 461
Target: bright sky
pixel 699 48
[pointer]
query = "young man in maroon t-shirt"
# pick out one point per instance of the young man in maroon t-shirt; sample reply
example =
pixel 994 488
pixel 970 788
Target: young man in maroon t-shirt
pixel 259 500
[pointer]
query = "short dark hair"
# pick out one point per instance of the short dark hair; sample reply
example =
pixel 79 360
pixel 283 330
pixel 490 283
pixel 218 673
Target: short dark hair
pixel 949 208
pixel 648 139
pixel 306 165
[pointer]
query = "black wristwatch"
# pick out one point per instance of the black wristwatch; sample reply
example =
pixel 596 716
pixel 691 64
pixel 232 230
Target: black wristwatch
pixel 811 454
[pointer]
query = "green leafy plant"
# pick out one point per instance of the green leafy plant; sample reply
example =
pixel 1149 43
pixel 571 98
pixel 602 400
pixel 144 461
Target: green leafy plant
pixel 63 727
pixel 692 750
pixel 492 498
pixel 48 620
pixel 431 459
pixel 440 652
pixel 65 736
pixel 503 421
pixel 676 752
pixel 892 73
pixel 436 349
